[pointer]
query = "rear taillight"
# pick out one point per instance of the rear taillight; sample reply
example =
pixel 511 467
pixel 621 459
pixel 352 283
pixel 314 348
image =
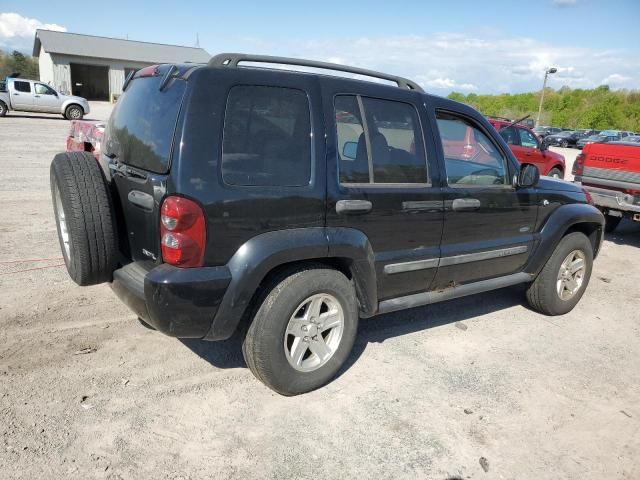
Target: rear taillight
pixel 588 196
pixel 182 232
pixel 578 165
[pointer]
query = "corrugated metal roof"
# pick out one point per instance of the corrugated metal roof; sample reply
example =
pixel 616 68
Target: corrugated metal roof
pixel 115 48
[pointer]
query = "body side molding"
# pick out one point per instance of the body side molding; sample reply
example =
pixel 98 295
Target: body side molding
pixel 426 298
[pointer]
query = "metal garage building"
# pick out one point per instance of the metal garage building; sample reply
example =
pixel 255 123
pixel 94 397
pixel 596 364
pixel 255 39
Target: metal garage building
pixel 96 67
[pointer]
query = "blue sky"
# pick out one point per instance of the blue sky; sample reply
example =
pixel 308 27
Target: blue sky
pixel 469 46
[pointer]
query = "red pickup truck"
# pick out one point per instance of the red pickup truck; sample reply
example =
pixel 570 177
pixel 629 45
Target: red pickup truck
pixel 610 172
pixel 528 148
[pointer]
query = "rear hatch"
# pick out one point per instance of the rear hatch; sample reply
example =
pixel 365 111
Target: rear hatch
pixel 139 142
pixel 612 165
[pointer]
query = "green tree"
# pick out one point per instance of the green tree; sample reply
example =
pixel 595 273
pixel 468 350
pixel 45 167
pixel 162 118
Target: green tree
pixel 599 108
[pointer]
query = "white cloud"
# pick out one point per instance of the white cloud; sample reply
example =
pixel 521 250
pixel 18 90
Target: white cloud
pixel 447 62
pixel 615 80
pixel 564 3
pixel 18 32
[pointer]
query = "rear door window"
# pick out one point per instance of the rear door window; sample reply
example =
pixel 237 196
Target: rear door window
pixel 267 137
pixel 22 86
pixel 389 150
pixel 142 125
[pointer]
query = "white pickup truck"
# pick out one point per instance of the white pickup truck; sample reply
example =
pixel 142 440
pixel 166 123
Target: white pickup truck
pixel 33 96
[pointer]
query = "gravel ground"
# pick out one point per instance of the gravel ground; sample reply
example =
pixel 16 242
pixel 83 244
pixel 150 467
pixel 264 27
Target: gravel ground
pixel 480 387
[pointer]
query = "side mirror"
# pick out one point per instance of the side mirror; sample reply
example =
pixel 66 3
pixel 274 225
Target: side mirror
pixel 543 145
pixel 350 150
pixel 528 176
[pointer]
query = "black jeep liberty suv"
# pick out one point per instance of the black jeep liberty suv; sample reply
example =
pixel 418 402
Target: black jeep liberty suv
pixel 290 204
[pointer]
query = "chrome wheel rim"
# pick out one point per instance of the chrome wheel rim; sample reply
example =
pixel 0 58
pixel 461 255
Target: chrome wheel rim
pixel 571 275
pixel 62 224
pixel 75 113
pixel 314 332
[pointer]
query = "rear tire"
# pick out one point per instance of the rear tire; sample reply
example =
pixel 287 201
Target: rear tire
pixel 284 317
pixel 74 112
pixel 3 109
pixel 564 144
pixel 84 217
pixel 611 223
pixel 546 292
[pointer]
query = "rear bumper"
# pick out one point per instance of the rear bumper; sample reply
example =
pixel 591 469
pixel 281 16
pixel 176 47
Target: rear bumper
pixel 613 199
pixel 180 302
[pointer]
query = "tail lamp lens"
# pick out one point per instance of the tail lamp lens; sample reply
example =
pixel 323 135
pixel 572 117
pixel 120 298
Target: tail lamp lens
pixel 182 232
pixel 578 165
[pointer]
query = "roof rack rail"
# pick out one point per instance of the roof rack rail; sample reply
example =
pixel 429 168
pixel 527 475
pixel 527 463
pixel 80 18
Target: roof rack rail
pixel 232 60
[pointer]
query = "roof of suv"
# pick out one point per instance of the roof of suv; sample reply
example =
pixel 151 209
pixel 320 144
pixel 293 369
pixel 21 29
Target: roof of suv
pixel 231 60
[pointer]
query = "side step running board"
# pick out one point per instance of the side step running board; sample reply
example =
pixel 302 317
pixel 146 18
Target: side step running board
pixel 426 298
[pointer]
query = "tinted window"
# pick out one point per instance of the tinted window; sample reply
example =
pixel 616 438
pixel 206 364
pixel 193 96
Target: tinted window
pixel 142 125
pixel 352 148
pixel 527 139
pixel 22 86
pixel 510 135
pixel 267 137
pixel 43 89
pixel 471 158
pixel 390 151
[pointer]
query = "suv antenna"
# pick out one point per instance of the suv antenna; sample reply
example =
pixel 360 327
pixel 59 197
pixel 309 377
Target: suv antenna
pixel 516 121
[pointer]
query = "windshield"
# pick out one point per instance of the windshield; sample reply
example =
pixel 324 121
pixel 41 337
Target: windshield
pixel 596 138
pixel 565 134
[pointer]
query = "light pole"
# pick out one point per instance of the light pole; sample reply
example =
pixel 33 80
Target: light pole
pixel 544 85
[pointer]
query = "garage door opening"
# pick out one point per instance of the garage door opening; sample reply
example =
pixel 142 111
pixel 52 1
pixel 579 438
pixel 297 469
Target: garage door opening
pixel 90 81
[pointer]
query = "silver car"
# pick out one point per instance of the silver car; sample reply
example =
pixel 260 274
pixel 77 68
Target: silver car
pixel 33 96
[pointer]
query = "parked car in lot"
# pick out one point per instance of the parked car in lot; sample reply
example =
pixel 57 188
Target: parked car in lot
pixel 290 204
pixel 610 172
pixel 599 138
pixel 632 139
pixel 24 95
pixel 587 132
pixel 528 149
pixel 544 131
pixel 563 139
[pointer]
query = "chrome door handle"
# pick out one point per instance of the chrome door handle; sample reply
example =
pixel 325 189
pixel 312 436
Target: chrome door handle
pixel 353 207
pixel 465 204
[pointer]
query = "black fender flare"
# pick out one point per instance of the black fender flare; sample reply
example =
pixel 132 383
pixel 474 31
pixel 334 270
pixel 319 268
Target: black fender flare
pixel 253 261
pixel 580 216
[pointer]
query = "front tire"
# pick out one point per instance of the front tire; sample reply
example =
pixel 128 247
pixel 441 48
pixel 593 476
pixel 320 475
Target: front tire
pixel 302 331
pixel 3 109
pixel 563 280
pixel 564 144
pixel 74 112
pixel 556 173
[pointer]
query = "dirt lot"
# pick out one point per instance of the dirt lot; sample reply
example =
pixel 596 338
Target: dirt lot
pixel 426 393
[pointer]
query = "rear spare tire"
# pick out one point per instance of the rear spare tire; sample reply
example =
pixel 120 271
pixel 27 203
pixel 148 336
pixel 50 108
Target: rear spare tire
pixel 84 217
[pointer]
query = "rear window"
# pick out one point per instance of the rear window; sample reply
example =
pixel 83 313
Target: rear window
pixel 142 125
pixel 267 137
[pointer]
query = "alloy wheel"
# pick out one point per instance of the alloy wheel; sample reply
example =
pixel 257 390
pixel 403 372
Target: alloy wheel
pixel 314 332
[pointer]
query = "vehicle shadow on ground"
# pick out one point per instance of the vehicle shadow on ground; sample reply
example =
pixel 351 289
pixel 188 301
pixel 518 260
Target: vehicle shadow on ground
pixel 40 117
pixel 383 327
pixel 228 353
pixel 627 233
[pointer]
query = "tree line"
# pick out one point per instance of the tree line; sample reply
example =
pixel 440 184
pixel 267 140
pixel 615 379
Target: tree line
pixel 600 108
pixel 18 62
